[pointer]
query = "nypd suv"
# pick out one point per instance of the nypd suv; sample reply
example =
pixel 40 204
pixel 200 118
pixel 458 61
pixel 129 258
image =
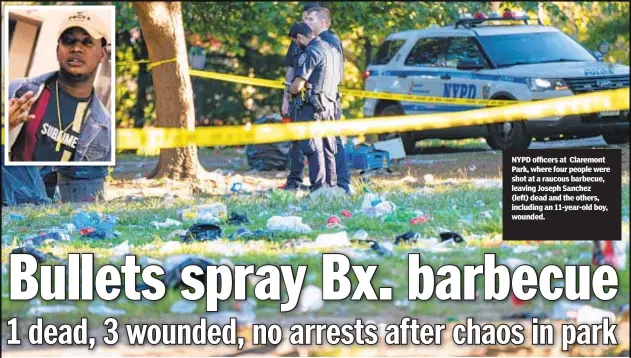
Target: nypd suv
pixel 475 59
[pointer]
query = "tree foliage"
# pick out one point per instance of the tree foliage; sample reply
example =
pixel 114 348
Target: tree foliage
pixel 250 38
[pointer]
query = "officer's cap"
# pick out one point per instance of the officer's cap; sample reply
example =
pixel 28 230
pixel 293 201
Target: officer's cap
pixel 300 28
pixel 310 5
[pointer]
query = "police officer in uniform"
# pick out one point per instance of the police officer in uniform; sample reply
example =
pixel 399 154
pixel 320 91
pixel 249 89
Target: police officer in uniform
pixel 319 19
pixel 314 92
pixel 296 157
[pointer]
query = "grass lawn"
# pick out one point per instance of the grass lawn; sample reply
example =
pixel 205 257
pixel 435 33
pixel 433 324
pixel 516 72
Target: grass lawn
pixel 473 211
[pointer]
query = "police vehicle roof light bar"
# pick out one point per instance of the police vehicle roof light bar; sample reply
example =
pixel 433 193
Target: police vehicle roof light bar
pixel 479 18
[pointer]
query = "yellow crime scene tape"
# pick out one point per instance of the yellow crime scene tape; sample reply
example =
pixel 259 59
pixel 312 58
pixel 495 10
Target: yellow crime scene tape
pixel 153 138
pixel 353 92
pixel 260 82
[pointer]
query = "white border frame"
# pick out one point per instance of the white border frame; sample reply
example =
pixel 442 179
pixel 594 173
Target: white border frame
pixel 5 51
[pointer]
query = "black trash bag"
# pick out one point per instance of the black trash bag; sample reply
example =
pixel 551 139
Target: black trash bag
pixel 173 277
pixel 382 249
pixel 269 156
pixel 238 219
pixel 38 255
pixel 202 232
pixel 22 185
pixel 408 237
pixel 445 236
pixel 242 233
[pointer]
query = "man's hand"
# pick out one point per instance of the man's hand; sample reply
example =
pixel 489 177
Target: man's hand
pixel 19 109
pixel 284 110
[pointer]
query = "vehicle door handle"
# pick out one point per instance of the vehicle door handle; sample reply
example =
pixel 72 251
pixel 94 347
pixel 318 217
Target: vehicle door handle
pixel 446 76
pixel 403 76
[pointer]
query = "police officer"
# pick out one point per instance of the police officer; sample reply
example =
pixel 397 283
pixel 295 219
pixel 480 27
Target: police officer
pixel 319 19
pixel 296 157
pixel 314 92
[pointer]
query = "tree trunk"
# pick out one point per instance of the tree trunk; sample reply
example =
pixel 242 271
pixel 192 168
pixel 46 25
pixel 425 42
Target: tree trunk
pixel 163 31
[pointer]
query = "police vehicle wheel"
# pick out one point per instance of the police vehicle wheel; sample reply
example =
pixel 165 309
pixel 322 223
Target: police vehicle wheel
pixel 508 135
pixel 409 143
pixel 617 137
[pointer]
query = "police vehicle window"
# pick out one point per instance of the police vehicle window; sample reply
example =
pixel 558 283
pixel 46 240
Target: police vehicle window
pixel 542 47
pixel 464 48
pixel 428 52
pixel 387 50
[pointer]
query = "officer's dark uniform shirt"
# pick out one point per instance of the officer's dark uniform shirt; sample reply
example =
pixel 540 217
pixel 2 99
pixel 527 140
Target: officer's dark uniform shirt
pixel 311 66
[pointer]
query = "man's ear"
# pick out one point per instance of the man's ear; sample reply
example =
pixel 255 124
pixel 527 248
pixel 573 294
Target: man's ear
pixel 103 55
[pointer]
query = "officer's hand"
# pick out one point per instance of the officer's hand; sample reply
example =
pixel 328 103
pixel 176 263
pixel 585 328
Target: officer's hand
pixel 19 109
pixel 284 109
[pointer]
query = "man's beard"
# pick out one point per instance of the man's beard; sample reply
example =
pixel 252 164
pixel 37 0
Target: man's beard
pixel 73 79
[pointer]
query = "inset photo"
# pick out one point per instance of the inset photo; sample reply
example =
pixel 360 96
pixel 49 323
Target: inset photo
pixel 59 87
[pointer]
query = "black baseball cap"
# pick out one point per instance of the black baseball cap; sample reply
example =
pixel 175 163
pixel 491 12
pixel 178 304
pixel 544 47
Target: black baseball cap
pixel 300 28
pixel 310 5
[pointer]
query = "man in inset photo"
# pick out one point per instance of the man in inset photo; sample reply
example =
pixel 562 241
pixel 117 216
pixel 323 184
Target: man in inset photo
pixel 56 117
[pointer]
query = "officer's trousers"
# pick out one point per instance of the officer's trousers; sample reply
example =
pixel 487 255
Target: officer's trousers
pixel 320 153
pixel 296 162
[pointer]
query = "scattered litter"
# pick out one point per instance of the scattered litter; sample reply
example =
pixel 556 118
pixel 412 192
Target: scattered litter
pixel 47 238
pixel 449 235
pixel 288 223
pixel 472 167
pixel 339 239
pixel 238 219
pixel 311 299
pixel 122 249
pixel 206 212
pixel 171 246
pixel 202 232
pixel 235 184
pixel 479 203
pixel 418 220
pixel 523 249
pixel 168 198
pixel 165 224
pixel 564 310
pixel 177 234
pixel 103 225
pixel 428 178
pixel 409 237
pixel 37 311
pixel 226 249
pixel 527 315
pixel 614 253
pixel 587 314
pixel 39 256
pixel 383 249
pixel 146 261
pixel 99 308
pixel 487 183
pixel 295 243
pixel 241 233
pixel 334 220
pixel 486 214
pixel 173 276
pixel 70 228
pixel 513 263
pixel 346 214
pixel 183 306
pixel 17 217
pixel 360 235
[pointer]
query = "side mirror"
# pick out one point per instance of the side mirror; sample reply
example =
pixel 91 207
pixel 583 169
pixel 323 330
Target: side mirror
pixel 469 65
pixel 599 56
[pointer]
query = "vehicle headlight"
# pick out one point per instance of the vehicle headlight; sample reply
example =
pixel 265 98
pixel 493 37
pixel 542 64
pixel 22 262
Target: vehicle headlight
pixel 546 84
